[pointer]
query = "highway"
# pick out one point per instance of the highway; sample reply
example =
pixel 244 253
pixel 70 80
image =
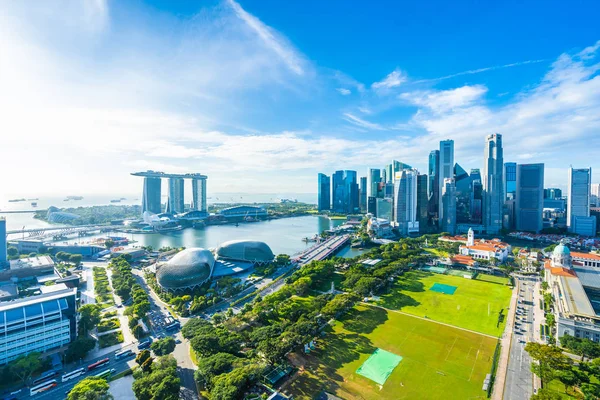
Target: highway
pixel 519 378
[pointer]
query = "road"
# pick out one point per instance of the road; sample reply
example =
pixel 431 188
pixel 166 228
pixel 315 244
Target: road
pixel 519 378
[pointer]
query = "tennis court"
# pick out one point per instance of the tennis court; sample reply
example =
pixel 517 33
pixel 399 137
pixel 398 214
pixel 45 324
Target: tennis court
pixel 441 288
pixel 379 366
pixel 437 270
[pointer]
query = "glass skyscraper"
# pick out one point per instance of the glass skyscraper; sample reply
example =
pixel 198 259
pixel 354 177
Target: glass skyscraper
pixel 324 195
pixel 422 202
pixel 449 206
pixel 175 202
pixel 363 193
pixel 510 180
pixel 578 202
pixel 445 170
pixel 405 201
pixel 151 195
pixel 345 192
pixel 433 187
pixel 493 192
pixel 3 255
pixel 373 181
pixel 529 201
pixel 199 194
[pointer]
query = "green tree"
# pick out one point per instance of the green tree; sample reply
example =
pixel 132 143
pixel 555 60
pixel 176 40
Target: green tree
pixel 142 357
pixel 545 286
pixel 163 346
pixel 210 367
pixel 160 382
pixel 24 366
pixel 282 259
pixel 109 243
pixel 75 259
pixel 90 388
pixel 12 251
pixel 89 317
pixel 79 348
pixel 546 394
pixel 550 360
pixel 568 378
pixel 590 391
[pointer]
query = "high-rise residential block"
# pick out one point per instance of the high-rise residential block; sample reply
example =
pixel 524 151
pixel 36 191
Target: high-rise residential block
pixel 578 202
pixel 448 206
pixel 493 191
pixel 445 171
pixel 405 201
pixel 529 201
pixel 324 195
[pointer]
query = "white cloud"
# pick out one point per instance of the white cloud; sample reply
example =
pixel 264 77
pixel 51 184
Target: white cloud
pixel 353 119
pixel 446 100
pixel 270 38
pixel 393 79
pixel 344 92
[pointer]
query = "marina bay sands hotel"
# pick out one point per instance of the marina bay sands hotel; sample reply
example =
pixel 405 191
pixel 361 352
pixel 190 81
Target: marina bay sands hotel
pixel 175 204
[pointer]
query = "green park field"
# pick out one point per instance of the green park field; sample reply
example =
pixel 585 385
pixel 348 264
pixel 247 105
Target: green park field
pixel 438 361
pixel 474 305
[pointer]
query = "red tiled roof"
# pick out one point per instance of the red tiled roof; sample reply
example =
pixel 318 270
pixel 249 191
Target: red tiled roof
pixel 588 256
pixel 561 271
pixel 460 259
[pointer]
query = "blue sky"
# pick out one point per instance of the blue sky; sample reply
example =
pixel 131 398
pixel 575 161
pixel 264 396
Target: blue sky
pixel 262 95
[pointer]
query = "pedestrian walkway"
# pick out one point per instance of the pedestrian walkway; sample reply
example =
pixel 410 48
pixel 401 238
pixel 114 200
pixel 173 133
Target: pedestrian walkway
pixel 506 341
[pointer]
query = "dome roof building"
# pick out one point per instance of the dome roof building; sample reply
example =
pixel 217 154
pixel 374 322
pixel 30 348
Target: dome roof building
pixel 188 269
pixel 245 250
pixel 561 256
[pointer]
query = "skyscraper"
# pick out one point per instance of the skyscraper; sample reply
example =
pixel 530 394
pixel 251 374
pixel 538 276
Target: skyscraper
pixel 372 205
pixel 476 197
pixel 199 194
pixel 463 195
pixel 3 255
pixel 493 193
pixel 445 170
pixel 389 173
pixel 324 196
pixel 529 201
pixel 510 180
pixel 595 194
pixel 397 167
pixel 552 193
pixel 578 202
pixel 434 188
pixel 383 176
pixel 405 201
pixel 175 203
pixel 373 181
pixel 448 205
pixel 363 193
pixel 384 208
pixel 422 202
pixel 151 195
pixel 337 187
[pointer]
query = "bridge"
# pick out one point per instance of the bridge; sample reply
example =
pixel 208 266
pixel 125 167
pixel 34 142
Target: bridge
pixel 60 231
pixel 322 250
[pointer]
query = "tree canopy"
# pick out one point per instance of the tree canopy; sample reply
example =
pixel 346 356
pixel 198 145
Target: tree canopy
pixel 90 388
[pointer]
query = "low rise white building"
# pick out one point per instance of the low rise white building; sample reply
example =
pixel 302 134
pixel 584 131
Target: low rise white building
pixel 380 227
pixel 485 249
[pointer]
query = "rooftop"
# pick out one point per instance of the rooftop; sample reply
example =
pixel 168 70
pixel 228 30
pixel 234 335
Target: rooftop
pixel 32 262
pixel 589 276
pixel 576 296
pixel 588 256
pixel 26 301
pixel 53 288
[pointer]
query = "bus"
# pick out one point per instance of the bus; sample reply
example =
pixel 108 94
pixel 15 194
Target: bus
pixel 174 326
pixel 73 374
pixel 123 354
pixel 42 387
pixel 105 374
pixel 44 377
pixel 98 364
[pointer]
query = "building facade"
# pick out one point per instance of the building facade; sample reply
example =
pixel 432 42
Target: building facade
pixel 445 171
pixel 433 189
pixel 151 195
pixel 324 195
pixel 422 202
pixel 510 180
pixel 493 192
pixel 37 324
pixel 578 202
pixel 374 178
pixel 405 202
pixel 529 202
pixel 372 205
pixel 595 199
pixel 363 193
pixel 3 249
pixel 553 193
pixel 384 209
pixel 199 194
pixel 485 249
pixel 175 204
pixel 448 205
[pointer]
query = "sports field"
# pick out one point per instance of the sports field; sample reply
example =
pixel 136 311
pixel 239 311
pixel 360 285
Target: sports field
pixel 474 305
pixel 438 361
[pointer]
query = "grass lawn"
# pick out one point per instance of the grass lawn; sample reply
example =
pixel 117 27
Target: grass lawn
pixel 467 307
pixel 493 279
pixel 436 252
pixel 438 361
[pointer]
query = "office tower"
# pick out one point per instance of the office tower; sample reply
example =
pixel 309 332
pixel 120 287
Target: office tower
pixel 445 170
pixel 389 173
pixel 351 192
pixel 448 205
pixel 433 188
pixel 553 193
pixel 493 193
pixel 324 195
pixel 38 323
pixel 405 201
pixel 3 255
pixel 476 202
pixel 199 194
pixel 422 202
pixel 337 187
pixel 595 200
pixel 175 203
pixel 510 180
pixel 383 176
pixel 388 190
pixel 397 167
pixel 363 193
pixel 384 208
pixel 529 200
pixel 463 195
pixel 372 205
pixel 374 179
pixel 151 195
pixel 578 202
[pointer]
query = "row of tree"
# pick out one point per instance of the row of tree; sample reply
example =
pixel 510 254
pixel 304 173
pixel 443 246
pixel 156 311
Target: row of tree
pixel 156 379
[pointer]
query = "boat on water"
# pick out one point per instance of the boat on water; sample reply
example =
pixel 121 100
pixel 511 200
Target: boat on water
pixel 15 200
pixel 33 204
pixel 311 239
pixel 115 201
pixel 74 198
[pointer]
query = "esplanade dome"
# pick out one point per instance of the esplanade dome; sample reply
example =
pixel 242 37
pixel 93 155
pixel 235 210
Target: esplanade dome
pixel 187 269
pixel 245 250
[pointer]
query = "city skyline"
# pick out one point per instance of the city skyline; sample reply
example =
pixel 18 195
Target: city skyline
pixel 108 93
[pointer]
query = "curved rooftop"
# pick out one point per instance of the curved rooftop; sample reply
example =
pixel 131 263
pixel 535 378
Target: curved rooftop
pixel 188 268
pixel 561 249
pixel 245 250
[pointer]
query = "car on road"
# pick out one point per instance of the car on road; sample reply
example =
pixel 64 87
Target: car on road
pixel 145 344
